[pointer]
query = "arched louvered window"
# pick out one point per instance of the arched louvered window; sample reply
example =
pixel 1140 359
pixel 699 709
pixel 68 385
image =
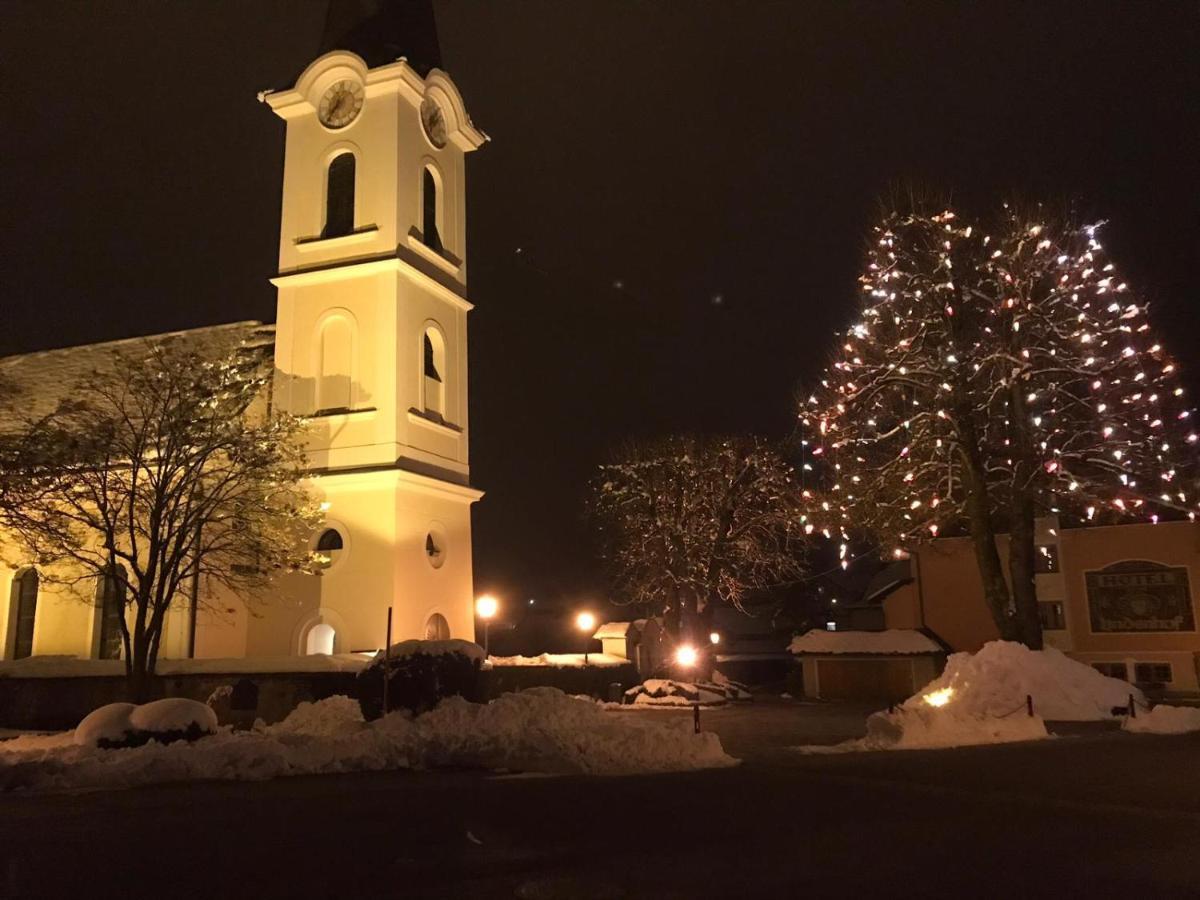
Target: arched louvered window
pixel 429 211
pixel 339 197
pixel 114 594
pixel 23 612
pixel 433 381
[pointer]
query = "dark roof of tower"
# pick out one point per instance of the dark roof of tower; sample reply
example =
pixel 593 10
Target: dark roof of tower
pixel 381 31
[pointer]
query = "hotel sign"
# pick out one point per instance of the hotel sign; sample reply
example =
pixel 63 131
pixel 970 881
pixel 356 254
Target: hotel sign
pixel 1140 596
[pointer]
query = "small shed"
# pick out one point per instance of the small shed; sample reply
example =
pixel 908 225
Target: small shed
pixel 639 641
pixel 885 666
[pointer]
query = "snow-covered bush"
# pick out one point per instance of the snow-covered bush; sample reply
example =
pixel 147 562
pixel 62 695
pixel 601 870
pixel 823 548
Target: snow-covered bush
pixel 1164 720
pixel 421 674
pixel 126 725
pixel 666 692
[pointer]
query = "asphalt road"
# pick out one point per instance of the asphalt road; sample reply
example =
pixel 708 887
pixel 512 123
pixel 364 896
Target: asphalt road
pixel 1101 814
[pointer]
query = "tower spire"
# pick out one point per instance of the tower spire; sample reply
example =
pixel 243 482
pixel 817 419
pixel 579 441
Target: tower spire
pixel 380 31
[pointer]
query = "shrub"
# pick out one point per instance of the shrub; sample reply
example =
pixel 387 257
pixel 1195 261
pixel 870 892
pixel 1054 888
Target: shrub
pixel 422 674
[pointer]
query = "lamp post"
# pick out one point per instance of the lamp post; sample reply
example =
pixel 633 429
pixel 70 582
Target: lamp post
pixel 486 608
pixel 586 623
pixel 686 657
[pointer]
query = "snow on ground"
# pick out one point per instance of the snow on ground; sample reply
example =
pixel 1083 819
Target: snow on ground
pixel 538 730
pixel 559 660
pixel 1164 720
pixel 73 667
pixel 997 679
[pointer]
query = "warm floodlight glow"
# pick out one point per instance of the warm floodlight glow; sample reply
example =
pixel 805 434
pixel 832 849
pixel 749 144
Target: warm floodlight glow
pixel 487 606
pixel 686 655
pixel 585 621
pixel 940 697
pixel 715 637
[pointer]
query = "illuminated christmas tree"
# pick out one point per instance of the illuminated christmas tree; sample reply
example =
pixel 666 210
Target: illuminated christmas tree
pixel 997 373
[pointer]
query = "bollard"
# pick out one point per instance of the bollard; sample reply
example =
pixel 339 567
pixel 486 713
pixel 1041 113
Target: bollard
pixel 1132 707
pixel 696 717
pixel 1029 704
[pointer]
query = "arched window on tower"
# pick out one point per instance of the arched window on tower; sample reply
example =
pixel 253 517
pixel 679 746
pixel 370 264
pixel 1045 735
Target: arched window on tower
pixel 23 612
pixel 339 197
pixel 335 365
pixel 429 211
pixel 433 383
pixel 110 610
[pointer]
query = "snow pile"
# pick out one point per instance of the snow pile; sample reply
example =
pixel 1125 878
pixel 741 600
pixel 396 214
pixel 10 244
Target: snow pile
pixel 539 730
pixel 560 660
pixel 1164 720
pixel 913 728
pixel 165 720
pixel 996 680
pixel 667 692
pixel 332 717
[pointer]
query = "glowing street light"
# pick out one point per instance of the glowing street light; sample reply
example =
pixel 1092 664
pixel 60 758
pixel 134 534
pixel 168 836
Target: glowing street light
pixel 586 623
pixel 686 655
pixel 714 638
pixel 486 608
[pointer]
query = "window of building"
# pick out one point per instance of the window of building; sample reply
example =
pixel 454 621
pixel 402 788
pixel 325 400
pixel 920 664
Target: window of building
pixel 435 550
pixel 429 211
pixel 437 628
pixel 335 385
pixel 1052 615
pixel 433 368
pixel 1152 673
pixel 114 594
pixel 1046 559
pixel 1111 669
pixel 320 640
pixel 23 612
pixel 330 544
pixel 339 197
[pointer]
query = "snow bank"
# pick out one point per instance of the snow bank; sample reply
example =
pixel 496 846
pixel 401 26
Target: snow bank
pixel 539 730
pixel 559 660
pixel 120 722
pixel 912 728
pixel 1164 720
pixel 996 680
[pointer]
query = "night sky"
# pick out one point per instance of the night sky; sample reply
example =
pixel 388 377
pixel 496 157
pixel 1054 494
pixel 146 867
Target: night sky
pixel 665 229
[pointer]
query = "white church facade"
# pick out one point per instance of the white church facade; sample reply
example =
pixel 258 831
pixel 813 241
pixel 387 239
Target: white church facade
pixel 371 348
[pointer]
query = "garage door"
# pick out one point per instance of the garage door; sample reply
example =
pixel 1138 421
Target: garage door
pixel 889 680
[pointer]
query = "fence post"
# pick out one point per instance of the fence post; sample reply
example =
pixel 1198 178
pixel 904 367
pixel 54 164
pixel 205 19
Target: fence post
pixel 387 662
pixel 1132 707
pixel 1029 704
pixel 696 717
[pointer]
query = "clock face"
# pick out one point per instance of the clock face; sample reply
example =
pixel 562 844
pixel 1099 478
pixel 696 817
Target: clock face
pixel 433 120
pixel 341 104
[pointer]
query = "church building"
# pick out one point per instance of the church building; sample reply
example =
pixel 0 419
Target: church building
pixel 370 346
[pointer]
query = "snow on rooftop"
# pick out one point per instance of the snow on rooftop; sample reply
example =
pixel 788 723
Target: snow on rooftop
pixel 612 630
pixel 893 641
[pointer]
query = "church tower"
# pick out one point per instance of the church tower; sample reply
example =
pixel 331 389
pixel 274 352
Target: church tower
pixel 371 345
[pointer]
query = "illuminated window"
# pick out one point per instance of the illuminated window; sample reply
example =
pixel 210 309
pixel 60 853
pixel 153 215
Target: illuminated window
pixel 1046 558
pixel 110 612
pixel 429 211
pixel 1052 616
pixel 320 640
pixel 339 197
pixel 23 611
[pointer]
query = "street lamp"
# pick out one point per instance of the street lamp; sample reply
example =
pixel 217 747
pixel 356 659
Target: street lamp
pixel 486 608
pixel 714 638
pixel 686 656
pixel 586 623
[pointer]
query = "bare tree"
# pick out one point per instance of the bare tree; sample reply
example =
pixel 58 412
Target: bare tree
pixel 996 373
pixel 687 523
pixel 164 470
